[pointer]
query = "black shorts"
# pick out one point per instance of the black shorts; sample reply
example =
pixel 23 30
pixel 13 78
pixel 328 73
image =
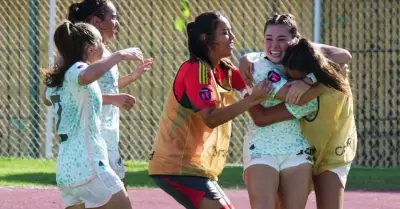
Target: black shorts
pixel 189 191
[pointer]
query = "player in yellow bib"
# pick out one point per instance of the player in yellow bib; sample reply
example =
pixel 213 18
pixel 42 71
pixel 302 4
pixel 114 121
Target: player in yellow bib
pixel 332 129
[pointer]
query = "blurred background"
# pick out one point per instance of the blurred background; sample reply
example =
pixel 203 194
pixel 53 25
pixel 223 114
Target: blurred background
pixel 369 29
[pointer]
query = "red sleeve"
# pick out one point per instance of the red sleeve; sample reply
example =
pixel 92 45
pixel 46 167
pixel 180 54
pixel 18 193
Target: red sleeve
pixel 195 87
pixel 237 81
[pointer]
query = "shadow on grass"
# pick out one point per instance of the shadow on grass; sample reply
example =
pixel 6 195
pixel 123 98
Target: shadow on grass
pixel 365 179
pixel 40 179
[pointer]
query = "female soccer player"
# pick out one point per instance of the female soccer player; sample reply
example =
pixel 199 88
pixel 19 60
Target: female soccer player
pixel 84 175
pixel 103 15
pixel 277 157
pixel 191 145
pixel 331 130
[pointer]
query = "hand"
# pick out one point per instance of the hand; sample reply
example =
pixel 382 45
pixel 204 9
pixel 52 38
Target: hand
pixel 139 70
pixel 124 101
pixel 261 91
pixel 131 54
pixel 296 91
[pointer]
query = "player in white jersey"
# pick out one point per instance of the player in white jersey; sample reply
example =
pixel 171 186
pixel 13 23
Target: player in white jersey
pixel 103 15
pixel 84 176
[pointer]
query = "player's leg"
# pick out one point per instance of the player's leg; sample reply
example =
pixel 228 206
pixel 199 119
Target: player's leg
pixel 329 188
pixel 261 176
pixel 193 192
pixel 221 203
pixel 295 180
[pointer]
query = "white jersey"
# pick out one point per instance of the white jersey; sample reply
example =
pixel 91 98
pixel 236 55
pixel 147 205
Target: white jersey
pixel 110 114
pixel 82 151
pixel 279 138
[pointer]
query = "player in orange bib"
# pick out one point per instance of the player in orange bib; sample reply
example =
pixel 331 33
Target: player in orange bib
pixel 191 145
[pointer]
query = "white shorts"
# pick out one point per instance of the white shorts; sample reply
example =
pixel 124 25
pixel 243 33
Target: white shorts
pixel 342 173
pixel 278 162
pixel 117 164
pixel 95 193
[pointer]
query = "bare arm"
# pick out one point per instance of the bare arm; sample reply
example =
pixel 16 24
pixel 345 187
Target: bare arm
pixel 137 72
pixel 125 80
pixel 315 91
pixel 97 69
pixel 214 117
pixel 266 116
pixel 336 54
pixel 107 98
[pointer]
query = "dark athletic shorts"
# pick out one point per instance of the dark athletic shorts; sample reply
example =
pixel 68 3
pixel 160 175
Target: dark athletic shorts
pixel 190 190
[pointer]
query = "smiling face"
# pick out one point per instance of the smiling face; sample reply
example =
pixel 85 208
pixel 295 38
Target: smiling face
pixel 108 23
pixel 277 38
pixel 222 44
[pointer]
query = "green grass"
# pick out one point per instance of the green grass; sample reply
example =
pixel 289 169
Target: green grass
pixel 26 172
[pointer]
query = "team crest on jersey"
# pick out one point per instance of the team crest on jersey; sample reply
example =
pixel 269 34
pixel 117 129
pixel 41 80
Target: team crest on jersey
pixel 205 94
pixel 274 77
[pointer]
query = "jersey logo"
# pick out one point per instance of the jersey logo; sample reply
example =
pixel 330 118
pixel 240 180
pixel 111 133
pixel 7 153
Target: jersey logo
pixel 203 73
pixel 205 94
pixel 274 77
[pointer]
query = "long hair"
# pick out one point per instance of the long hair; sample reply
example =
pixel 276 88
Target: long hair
pixel 308 59
pixel 205 23
pixel 71 41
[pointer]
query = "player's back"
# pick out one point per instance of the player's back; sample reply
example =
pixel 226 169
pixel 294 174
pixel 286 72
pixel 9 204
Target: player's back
pixel 77 109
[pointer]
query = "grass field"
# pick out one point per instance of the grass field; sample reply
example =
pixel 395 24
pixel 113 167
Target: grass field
pixel 26 172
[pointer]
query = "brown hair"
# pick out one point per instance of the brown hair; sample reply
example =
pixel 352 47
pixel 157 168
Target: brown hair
pixel 305 58
pixel 284 19
pixel 205 23
pixel 71 41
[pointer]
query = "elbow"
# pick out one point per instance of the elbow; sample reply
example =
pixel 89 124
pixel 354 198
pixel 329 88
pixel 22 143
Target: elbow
pixel 210 123
pixel 347 56
pixel 261 122
pixel 342 57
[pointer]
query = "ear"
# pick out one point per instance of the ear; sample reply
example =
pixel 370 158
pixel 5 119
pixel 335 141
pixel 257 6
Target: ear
pixel 95 21
pixel 90 50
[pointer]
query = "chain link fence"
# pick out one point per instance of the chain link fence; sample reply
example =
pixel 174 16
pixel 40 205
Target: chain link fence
pixel 367 28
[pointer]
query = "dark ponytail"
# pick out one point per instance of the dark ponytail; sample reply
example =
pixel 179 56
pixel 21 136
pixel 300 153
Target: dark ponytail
pixel 83 11
pixel 191 44
pixel 73 13
pixel 71 41
pixel 201 34
pixel 305 58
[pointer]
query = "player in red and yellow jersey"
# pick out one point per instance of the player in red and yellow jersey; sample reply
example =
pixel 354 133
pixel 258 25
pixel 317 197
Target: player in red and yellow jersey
pixel 191 145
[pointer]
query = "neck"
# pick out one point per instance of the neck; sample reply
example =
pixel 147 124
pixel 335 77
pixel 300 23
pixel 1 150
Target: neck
pixel 214 60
